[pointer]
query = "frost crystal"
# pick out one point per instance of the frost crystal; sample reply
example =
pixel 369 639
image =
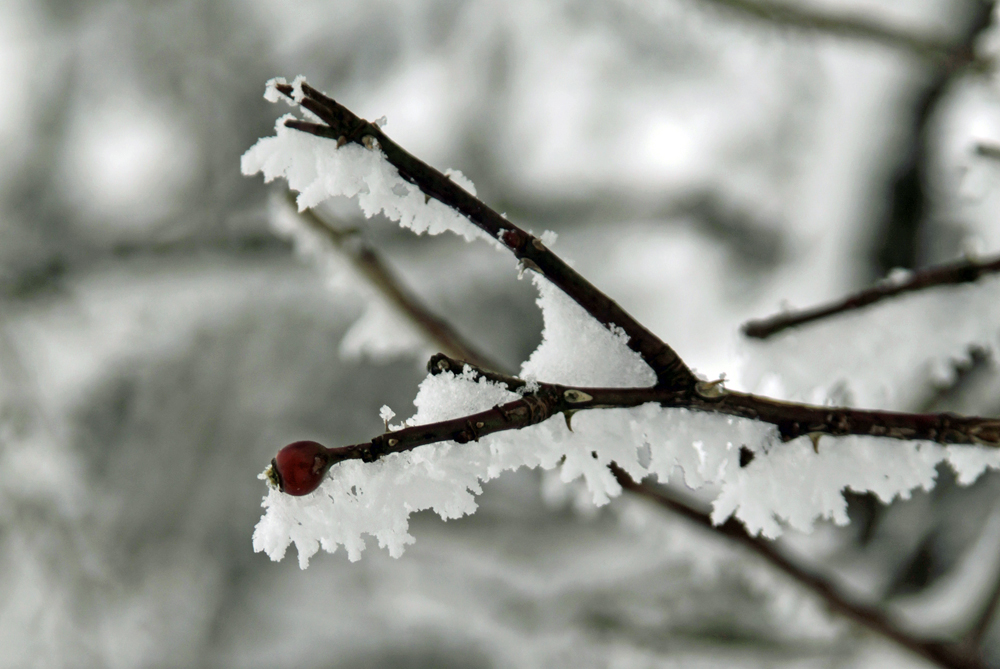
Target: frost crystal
pixel 318 170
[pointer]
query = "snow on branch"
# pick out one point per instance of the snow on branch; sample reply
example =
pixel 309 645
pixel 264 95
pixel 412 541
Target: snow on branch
pixel 385 177
pixel 594 371
pixel 504 423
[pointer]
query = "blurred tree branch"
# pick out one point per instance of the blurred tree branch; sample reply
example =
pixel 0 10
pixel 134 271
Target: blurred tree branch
pixel 896 241
pixel 791 15
pixel 370 265
pixel 987 150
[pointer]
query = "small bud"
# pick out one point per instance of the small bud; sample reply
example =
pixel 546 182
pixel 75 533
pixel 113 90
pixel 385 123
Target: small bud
pixel 299 468
pixel 574 396
pixel 511 238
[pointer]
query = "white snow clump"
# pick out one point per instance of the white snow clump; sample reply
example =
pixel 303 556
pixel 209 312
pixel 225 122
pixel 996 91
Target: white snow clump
pixel 318 170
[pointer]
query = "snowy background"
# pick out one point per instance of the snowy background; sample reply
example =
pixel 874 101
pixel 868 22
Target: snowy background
pixel 158 342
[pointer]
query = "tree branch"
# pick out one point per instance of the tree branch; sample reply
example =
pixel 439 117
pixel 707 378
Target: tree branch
pixel 966 271
pixel 549 399
pixel 988 150
pixel 368 263
pixel 344 126
pixel 868 617
pixel 852 27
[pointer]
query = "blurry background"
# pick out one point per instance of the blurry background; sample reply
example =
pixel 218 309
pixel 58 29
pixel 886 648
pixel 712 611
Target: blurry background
pixel 701 163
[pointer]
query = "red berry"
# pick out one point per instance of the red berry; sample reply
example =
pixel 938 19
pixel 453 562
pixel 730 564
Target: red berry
pixel 301 466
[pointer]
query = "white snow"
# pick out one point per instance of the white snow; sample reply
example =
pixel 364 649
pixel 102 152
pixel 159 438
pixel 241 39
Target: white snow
pixel 318 170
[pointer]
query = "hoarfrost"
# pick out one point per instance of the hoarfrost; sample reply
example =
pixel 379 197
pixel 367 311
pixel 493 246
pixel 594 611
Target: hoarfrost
pixel 318 170
pixel 783 484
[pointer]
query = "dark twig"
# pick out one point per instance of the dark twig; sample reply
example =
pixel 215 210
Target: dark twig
pixel 988 150
pixel 792 420
pixel 965 271
pixel 342 125
pixel 866 616
pixel 368 263
pixel 800 17
pixel 896 239
pixel 987 616
pixel 549 399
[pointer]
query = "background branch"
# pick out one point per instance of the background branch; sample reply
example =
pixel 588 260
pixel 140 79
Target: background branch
pixel 965 271
pixel 843 25
pixel 867 616
pixel 988 150
pixel 368 264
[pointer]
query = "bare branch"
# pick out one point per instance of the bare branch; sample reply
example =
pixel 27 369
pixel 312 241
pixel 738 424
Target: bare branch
pixel 988 150
pixel 343 126
pixel 866 616
pixel 847 26
pixel 965 271
pixel 368 263
pixel 549 399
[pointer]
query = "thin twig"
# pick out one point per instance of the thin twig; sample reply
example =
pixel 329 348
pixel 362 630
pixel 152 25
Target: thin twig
pixel 987 150
pixel 965 271
pixel 869 617
pixel 975 637
pixel 843 25
pixel 550 399
pixel 342 125
pixel 368 263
